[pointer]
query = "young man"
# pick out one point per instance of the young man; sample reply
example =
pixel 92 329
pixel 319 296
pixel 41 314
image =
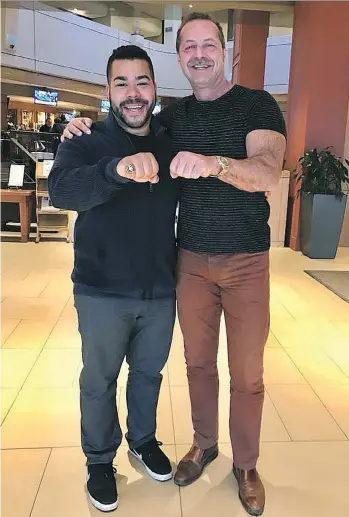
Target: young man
pixel 46 128
pixel 118 181
pixel 230 142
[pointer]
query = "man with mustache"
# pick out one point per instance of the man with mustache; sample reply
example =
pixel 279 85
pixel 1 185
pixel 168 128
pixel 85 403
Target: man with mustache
pixel 118 180
pixel 230 142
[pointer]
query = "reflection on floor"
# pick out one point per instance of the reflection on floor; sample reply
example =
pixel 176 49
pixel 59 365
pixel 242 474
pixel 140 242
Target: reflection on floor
pixel 304 453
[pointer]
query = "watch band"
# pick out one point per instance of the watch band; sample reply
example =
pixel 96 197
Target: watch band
pixel 224 164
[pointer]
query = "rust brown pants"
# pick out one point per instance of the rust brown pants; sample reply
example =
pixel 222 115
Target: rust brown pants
pixel 239 285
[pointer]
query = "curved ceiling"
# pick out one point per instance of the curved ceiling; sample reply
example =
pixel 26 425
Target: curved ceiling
pixel 91 10
pixel 149 15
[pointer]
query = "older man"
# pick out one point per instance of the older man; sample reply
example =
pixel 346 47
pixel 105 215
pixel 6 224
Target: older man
pixel 230 143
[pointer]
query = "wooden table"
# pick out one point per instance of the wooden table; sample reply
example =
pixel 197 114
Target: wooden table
pixel 25 199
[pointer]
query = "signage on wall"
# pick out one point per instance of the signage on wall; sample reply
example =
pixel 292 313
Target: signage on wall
pixel 48 98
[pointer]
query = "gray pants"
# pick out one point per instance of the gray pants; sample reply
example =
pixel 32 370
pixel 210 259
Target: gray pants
pixel 112 329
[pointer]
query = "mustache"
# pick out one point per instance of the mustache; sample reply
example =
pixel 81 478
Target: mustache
pixel 138 101
pixel 202 61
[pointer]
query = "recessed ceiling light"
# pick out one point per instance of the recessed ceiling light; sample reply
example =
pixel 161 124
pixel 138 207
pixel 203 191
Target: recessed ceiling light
pixel 78 11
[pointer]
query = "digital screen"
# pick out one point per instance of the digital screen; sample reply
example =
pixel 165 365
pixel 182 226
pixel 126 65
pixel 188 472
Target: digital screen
pixel 104 106
pixel 48 98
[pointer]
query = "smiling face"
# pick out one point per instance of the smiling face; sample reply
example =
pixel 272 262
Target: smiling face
pixel 201 54
pixel 132 92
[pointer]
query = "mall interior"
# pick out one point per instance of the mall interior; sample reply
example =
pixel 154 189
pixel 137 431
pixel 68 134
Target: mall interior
pixel 53 58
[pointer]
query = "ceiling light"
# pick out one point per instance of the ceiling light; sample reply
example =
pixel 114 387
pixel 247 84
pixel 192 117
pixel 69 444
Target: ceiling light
pixel 78 11
pixel 191 6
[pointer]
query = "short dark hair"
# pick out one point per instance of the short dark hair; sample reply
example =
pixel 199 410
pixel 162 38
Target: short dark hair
pixel 199 16
pixel 129 52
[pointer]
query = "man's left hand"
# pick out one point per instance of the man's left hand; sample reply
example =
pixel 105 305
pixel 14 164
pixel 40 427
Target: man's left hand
pixel 193 166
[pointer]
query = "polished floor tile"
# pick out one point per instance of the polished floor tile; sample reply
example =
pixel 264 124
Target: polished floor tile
pixel 297 480
pixel 54 369
pixel 65 334
pixel 60 287
pixel 16 365
pixel 32 308
pixel 63 493
pixel 304 415
pixel 7 327
pixel 305 427
pixel 69 311
pixel 43 418
pixel 273 429
pixel 338 352
pixel 272 342
pixel 31 286
pixel 29 334
pixel 317 367
pixel 295 476
pixel 22 471
pixel 7 397
pixel 280 369
pixel 336 400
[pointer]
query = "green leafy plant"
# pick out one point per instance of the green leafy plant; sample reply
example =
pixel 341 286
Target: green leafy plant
pixel 321 172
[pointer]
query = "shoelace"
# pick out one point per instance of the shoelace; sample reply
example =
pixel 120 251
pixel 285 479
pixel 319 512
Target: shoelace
pixel 152 447
pixel 107 473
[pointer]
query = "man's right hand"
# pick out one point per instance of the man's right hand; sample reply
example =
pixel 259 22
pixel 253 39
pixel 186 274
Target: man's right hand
pixel 141 167
pixel 77 126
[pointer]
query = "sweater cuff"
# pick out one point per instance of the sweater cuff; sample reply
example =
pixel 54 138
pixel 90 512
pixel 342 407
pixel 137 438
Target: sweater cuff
pixel 112 175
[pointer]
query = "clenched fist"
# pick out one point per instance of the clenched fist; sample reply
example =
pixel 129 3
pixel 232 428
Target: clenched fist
pixel 193 166
pixel 141 167
pixel 77 126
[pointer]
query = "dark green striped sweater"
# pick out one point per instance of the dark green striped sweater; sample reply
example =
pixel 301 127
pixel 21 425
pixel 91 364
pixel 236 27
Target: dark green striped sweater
pixel 215 217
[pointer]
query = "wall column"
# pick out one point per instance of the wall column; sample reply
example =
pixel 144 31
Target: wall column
pixel 318 89
pixel 251 29
pixel 172 22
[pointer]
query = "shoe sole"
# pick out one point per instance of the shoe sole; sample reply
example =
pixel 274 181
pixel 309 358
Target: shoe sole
pixel 158 477
pixel 208 460
pixel 254 513
pixel 103 507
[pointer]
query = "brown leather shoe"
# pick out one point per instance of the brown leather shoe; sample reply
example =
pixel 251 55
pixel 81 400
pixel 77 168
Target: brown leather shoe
pixel 192 465
pixel 251 490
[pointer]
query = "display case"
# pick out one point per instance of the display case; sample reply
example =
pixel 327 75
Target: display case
pixel 49 218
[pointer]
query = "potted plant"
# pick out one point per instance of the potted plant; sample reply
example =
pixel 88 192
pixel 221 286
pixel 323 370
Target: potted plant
pixel 322 176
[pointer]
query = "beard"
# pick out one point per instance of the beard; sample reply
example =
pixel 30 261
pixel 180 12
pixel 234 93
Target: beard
pixel 124 121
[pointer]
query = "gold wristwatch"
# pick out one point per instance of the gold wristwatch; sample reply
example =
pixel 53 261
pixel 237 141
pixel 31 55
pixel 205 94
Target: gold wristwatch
pixel 224 166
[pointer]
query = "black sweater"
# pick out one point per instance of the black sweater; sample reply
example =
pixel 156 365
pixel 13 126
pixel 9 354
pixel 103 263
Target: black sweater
pixel 124 235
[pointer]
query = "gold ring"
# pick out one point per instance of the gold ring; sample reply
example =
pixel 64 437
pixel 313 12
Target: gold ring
pixel 130 168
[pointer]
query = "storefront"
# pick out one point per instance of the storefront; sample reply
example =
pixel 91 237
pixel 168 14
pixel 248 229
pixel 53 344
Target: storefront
pixel 25 115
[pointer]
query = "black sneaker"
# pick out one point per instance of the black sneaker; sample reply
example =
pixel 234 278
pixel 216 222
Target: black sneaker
pixel 101 486
pixel 154 460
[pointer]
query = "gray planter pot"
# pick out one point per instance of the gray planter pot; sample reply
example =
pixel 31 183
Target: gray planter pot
pixel 321 220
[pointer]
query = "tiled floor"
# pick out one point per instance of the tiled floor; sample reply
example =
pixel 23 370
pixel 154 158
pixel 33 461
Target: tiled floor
pixel 304 452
